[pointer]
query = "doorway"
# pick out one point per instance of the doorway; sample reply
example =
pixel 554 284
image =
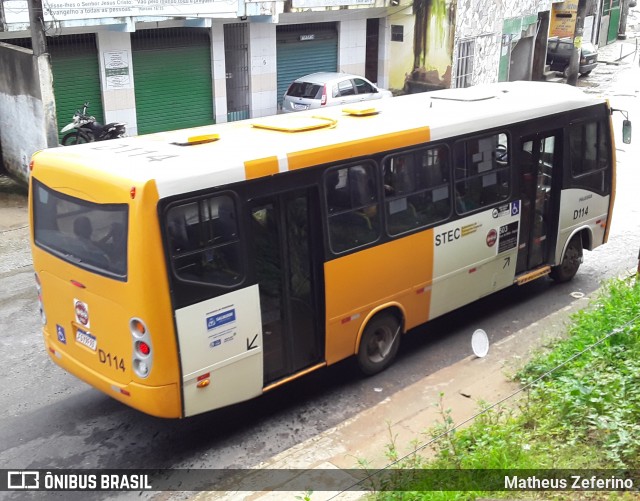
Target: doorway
pixel 539 167
pixel 286 246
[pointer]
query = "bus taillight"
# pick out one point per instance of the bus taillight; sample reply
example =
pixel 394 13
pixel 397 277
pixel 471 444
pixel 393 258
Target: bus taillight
pixel 43 316
pixel 142 350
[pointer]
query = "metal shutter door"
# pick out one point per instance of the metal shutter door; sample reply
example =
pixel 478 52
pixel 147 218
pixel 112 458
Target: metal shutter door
pixel 76 76
pixel 298 58
pixel 173 87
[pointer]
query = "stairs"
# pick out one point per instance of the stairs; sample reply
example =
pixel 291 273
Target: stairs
pixel 552 76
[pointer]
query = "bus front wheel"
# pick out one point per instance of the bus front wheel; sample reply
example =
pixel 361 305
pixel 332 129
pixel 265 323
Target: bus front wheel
pixel 379 343
pixel 571 261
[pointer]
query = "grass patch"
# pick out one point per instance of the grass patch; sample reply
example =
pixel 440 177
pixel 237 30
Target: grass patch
pixel 581 411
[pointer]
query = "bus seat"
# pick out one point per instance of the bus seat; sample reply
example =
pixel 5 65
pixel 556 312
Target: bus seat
pixel 177 227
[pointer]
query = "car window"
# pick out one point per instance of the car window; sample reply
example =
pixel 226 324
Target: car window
pixel 565 46
pixel 362 86
pixel 345 88
pixel 305 90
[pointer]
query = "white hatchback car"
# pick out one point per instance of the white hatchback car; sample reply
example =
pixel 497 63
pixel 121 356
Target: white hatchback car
pixel 329 89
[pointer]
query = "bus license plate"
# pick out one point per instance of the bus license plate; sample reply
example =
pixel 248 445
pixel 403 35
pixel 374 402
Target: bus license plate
pixel 86 339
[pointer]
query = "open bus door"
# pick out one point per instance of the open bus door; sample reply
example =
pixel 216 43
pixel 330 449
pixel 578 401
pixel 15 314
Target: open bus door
pixel 286 242
pixel 540 176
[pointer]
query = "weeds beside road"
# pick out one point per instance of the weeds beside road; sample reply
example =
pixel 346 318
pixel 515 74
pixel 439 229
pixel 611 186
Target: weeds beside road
pixel 581 409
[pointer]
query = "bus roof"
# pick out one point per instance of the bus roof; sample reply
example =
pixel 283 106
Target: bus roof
pixel 189 160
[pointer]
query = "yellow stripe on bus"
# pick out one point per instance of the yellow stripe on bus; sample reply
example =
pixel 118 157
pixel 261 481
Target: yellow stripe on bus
pixel 399 272
pixel 262 167
pixel 614 163
pixel 358 147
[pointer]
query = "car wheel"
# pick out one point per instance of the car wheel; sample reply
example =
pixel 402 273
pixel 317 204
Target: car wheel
pixel 565 72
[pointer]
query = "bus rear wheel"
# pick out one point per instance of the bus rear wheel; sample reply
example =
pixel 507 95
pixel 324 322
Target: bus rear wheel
pixel 571 261
pixel 379 343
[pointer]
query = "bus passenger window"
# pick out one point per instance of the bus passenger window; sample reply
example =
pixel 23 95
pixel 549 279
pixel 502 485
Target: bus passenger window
pixel 416 189
pixel 483 176
pixel 352 206
pixel 590 156
pixel 203 241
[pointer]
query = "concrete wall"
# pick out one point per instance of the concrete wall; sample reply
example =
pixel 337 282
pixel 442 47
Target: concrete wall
pixel 352 48
pixel 263 71
pixel 27 108
pixel 118 96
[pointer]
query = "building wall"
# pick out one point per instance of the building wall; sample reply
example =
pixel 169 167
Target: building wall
pixel 401 53
pixel 443 24
pixel 118 97
pixel 352 44
pixel 25 110
pixel 218 73
pixel 482 21
pixel 384 52
pixel 263 77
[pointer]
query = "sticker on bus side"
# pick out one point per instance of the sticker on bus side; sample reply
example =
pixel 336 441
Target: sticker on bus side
pixel 508 237
pixel 62 337
pixel 221 326
pixel 81 310
pixel 219 319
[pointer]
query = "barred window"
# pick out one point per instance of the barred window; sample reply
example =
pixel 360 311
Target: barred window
pixel 464 63
pixel 397 33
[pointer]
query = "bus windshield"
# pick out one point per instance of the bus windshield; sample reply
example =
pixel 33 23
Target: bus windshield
pixel 89 235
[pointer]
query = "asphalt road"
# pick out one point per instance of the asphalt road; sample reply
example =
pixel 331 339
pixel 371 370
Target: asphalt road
pixel 49 419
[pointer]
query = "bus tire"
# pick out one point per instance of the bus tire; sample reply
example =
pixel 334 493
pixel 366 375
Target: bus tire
pixel 571 261
pixel 379 343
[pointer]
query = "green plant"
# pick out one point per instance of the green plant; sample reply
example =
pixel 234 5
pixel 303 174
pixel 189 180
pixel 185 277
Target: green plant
pixel 581 410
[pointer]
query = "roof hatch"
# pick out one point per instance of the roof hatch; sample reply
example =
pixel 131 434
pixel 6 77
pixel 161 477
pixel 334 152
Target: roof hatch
pixel 295 123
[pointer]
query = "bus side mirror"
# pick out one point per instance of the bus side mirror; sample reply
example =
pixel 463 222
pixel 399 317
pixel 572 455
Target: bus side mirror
pixel 626 131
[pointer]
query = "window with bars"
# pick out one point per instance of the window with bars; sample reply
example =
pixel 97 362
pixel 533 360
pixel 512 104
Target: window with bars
pixel 397 33
pixel 464 65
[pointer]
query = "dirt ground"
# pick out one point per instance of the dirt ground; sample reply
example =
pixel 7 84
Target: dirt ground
pixel 13 202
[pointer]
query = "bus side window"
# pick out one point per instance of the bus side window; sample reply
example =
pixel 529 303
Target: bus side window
pixel 482 172
pixel 203 241
pixel 352 206
pixel 590 156
pixel 416 189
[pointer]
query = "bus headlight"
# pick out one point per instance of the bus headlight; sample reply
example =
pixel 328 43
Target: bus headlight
pixel 142 352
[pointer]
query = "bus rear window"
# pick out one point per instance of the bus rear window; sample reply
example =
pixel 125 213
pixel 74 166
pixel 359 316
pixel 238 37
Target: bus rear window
pixel 89 235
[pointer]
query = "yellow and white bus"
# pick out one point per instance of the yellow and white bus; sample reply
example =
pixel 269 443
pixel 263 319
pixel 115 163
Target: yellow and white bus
pixel 184 271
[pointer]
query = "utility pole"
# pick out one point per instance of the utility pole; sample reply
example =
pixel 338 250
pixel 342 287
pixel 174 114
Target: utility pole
pixel 36 24
pixel 624 13
pixel 574 63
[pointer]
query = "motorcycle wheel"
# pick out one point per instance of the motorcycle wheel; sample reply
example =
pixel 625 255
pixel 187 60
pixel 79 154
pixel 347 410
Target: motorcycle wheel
pixel 75 137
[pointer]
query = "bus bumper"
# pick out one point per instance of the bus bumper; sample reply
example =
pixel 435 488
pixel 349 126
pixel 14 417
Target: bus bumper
pixel 160 401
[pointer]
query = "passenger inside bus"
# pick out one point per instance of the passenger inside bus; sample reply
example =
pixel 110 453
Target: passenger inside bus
pixel 352 207
pixel 83 228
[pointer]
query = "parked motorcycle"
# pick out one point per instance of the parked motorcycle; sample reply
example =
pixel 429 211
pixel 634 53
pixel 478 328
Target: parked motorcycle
pixel 87 130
